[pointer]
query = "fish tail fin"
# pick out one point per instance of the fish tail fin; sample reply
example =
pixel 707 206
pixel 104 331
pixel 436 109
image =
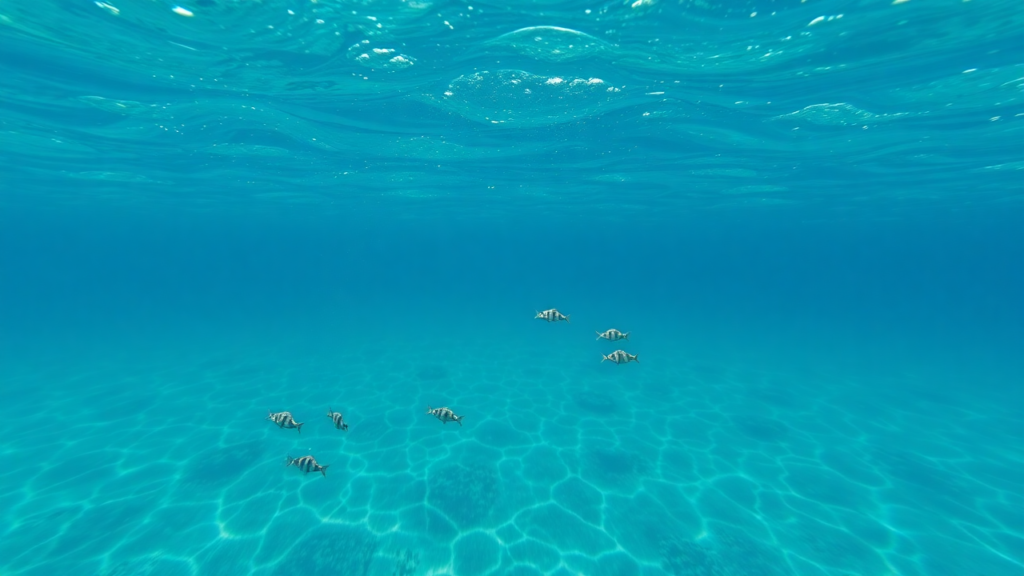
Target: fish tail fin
pixel 603 357
pixel 298 426
pixel 429 409
pixel 330 412
pixel 598 334
pixel 323 470
pixel 290 460
pixel 460 420
pixel 635 359
pixel 626 335
pixel 567 319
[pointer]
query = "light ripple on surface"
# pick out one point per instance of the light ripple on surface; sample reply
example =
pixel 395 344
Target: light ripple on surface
pixel 346 87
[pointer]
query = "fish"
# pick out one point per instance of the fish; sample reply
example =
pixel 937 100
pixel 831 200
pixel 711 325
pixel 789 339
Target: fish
pixel 445 415
pixel 308 464
pixel 339 421
pixel 620 357
pixel 551 316
pixel 613 335
pixel 284 420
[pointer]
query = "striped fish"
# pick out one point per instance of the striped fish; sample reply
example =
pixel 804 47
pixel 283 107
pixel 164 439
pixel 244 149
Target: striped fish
pixel 339 421
pixel 284 420
pixel 613 335
pixel 620 357
pixel 445 415
pixel 551 316
pixel 308 464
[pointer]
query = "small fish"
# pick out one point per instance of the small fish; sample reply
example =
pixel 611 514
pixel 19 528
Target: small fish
pixel 613 335
pixel 551 316
pixel 339 421
pixel 620 357
pixel 308 464
pixel 445 415
pixel 284 420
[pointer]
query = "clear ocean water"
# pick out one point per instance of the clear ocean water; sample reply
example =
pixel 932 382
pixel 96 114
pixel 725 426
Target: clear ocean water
pixel 808 215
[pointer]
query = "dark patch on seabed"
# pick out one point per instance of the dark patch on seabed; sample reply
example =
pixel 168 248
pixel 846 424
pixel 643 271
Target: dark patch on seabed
pixel 331 550
pixel 614 469
pixel 724 552
pixel 217 467
pixel 407 562
pixel 465 494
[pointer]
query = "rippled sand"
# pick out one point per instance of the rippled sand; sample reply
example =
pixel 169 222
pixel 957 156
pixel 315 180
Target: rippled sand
pixel 665 468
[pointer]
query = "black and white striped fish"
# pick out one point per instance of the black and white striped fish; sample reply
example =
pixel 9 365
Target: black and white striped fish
pixel 339 421
pixel 551 316
pixel 284 420
pixel 613 335
pixel 308 464
pixel 620 357
pixel 445 415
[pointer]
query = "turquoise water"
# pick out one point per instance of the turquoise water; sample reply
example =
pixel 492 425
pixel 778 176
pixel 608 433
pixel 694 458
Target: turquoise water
pixel 809 216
